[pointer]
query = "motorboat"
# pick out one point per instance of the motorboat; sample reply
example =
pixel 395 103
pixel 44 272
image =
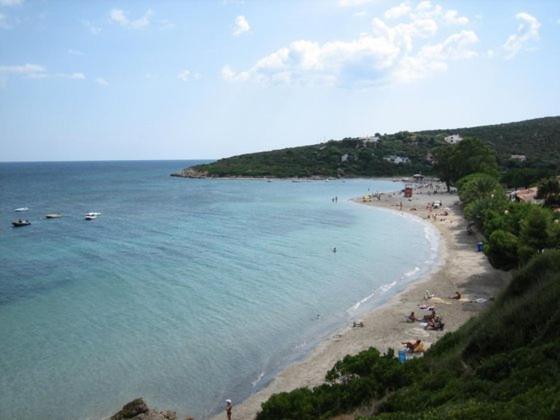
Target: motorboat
pixel 91 216
pixel 53 216
pixel 20 209
pixel 20 223
pixel 93 213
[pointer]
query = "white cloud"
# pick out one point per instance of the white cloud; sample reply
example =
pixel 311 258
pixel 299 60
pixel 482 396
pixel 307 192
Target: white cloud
pixel 35 71
pixel 101 81
pixel 402 52
pixel 92 28
pixel 23 70
pixel 186 75
pixel 166 24
pixel 434 58
pixel 119 17
pixel 231 76
pixel 528 30
pixel 241 26
pixel 452 17
pixel 396 12
pixel 74 76
pixel 75 52
pixel 9 3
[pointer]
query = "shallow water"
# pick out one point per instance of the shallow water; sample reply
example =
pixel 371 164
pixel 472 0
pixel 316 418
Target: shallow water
pixel 185 292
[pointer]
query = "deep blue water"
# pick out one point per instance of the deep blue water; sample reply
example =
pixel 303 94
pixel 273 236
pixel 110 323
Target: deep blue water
pixel 185 292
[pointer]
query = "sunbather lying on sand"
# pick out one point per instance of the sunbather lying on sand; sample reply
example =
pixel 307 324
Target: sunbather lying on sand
pixel 456 296
pixel 435 324
pixel 414 346
pixel 431 316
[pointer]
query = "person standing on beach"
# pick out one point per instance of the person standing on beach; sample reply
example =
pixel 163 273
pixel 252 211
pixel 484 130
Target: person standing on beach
pixel 229 406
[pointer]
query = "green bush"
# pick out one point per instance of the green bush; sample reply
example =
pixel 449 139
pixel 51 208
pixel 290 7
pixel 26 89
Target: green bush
pixel 501 250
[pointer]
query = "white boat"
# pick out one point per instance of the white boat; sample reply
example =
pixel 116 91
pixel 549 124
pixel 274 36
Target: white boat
pixel 91 217
pixel 53 216
pixel 93 213
pixel 20 209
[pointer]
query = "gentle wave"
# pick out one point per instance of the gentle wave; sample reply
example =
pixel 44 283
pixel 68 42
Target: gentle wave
pixel 256 381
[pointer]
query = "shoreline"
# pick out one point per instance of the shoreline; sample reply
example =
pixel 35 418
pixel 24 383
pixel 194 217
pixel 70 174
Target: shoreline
pixel 395 178
pixel 458 268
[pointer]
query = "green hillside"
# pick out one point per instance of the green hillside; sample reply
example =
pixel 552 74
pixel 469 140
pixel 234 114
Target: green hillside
pixel 538 140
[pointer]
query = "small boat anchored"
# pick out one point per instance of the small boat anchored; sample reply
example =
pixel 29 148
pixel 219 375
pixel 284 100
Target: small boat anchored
pixel 92 215
pixel 53 216
pixel 21 222
pixel 20 209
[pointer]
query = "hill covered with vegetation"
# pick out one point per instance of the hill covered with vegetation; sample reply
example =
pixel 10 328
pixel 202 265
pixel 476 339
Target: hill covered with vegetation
pixel 403 153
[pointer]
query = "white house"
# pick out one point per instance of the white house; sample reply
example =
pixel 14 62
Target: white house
pixel 518 158
pixel 397 160
pixel 370 139
pixel 453 139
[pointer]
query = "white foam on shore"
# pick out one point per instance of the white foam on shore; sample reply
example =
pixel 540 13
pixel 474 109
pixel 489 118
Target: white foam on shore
pixel 412 272
pixel 432 237
pixel 384 288
pixel 256 381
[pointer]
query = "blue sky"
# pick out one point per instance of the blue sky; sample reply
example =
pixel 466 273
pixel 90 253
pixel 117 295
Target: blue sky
pixel 95 80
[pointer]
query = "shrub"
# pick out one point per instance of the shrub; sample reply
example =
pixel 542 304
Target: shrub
pixel 501 250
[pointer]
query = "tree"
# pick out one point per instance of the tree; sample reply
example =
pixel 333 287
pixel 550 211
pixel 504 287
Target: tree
pixel 454 162
pixel 443 165
pixel 549 189
pixel 479 185
pixel 501 250
pixel 535 232
pixel 471 155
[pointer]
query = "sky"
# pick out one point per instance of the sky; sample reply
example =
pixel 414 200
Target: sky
pixel 120 80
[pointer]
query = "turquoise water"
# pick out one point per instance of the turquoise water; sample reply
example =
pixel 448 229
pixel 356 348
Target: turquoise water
pixel 185 292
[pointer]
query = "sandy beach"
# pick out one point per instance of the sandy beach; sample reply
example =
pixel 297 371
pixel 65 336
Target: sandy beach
pixel 462 269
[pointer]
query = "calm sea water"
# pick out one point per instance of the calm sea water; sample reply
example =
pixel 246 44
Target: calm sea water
pixel 185 292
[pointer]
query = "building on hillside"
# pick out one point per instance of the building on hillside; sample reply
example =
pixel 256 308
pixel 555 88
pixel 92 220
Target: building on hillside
pixel 344 158
pixel 453 139
pixel 370 139
pixel 397 160
pixel 518 158
pixel 528 195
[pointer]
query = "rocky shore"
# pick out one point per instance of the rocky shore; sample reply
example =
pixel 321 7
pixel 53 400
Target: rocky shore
pixel 190 173
pixel 139 410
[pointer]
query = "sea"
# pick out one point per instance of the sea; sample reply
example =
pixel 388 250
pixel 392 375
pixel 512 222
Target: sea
pixel 183 291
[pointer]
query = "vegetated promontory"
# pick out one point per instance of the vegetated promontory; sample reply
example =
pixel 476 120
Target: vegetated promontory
pixel 530 148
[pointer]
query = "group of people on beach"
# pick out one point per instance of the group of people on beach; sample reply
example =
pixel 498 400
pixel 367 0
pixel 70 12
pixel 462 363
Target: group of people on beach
pixel 432 320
